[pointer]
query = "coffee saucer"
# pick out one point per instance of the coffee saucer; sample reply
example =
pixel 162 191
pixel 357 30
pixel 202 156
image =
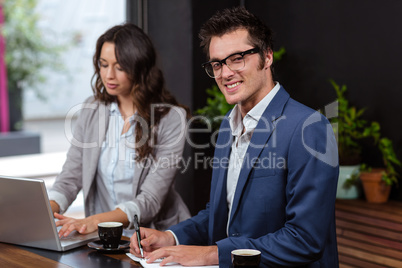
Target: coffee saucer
pixel 124 244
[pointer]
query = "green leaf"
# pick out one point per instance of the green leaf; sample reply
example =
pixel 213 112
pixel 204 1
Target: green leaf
pixel 279 54
pixel 27 51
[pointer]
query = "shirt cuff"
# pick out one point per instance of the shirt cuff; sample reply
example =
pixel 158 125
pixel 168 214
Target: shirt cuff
pixel 131 209
pixel 175 237
pixel 60 199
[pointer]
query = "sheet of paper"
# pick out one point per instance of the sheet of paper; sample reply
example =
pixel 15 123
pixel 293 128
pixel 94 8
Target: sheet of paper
pixel 169 265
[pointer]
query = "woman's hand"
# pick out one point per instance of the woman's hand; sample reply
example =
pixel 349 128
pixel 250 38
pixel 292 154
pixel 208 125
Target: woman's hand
pixel 55 207
pixel 89 224
pixel 83 226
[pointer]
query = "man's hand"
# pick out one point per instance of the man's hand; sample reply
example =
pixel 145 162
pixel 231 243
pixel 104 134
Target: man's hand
pixel 186 255
pixel 151 240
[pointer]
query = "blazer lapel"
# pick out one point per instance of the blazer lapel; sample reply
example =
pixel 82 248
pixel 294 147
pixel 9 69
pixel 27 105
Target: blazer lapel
pixel 261 135
pixel 139 168
pixel 219 206
pixel 100 127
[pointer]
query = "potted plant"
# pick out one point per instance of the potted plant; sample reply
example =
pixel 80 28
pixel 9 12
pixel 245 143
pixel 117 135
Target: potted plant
pixel 215 109
pixel 28 52
pixel 350 128
pixel 377 182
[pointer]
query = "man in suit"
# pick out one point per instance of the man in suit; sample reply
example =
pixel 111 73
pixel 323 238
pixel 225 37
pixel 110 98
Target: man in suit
pixel 276 164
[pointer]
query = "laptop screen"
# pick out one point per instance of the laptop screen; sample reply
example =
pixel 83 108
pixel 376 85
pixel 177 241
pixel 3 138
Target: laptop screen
pixel 27 218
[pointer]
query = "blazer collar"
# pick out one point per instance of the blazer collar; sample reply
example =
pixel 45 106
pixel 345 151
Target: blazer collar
pixel 100 125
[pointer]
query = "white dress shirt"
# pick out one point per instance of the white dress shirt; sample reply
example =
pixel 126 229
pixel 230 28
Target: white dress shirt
pixel 115 171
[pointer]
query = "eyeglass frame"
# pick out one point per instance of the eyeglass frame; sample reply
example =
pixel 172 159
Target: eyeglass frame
pixel 223 61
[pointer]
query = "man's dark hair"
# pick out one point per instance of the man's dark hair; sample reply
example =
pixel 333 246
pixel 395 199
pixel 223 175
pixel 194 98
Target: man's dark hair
pixel 231 19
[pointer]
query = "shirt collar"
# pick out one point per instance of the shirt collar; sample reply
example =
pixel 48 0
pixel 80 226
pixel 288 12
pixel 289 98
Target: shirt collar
pixel 114 110
pixel 257 111
pixel 236 121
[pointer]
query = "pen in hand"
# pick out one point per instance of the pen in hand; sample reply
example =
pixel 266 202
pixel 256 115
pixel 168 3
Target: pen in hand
pixel 137 230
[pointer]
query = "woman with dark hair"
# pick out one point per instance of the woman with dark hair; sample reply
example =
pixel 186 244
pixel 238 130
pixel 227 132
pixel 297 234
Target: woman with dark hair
pixel 128 141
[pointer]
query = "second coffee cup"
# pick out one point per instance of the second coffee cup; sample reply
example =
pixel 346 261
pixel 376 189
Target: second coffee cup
pixel 246 258
pixel 110 234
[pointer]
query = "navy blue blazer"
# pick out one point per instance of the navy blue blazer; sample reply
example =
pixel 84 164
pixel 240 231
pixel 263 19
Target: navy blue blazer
pixel 284 204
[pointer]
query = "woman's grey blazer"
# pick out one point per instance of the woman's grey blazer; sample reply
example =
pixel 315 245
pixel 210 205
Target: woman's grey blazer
pixel 153 182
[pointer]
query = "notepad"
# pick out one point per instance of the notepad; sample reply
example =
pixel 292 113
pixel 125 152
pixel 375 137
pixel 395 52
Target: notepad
pixel 169 265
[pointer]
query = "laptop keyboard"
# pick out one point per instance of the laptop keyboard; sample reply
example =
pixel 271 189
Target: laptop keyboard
pixel 75 236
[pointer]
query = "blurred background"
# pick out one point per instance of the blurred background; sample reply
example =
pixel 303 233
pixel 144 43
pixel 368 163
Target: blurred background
pixel 355 43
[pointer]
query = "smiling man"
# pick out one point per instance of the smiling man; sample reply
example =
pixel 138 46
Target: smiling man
pixel 277 191
pixel 243 86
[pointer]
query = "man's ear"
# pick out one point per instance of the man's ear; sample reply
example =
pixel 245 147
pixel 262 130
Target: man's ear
pixel 268 58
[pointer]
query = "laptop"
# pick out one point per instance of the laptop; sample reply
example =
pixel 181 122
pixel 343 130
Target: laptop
pixel 26 218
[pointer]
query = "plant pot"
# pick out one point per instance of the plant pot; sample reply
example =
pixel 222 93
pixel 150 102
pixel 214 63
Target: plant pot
pixel 15 106
pixel 345 191
pixel 19 143
pixel 375 189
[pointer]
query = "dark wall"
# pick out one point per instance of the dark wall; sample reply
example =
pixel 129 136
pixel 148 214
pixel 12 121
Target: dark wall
pixel 169 25
pixel 202 11
pixel 356 43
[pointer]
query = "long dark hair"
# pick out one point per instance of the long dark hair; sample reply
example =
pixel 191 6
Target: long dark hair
pixel 136 55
